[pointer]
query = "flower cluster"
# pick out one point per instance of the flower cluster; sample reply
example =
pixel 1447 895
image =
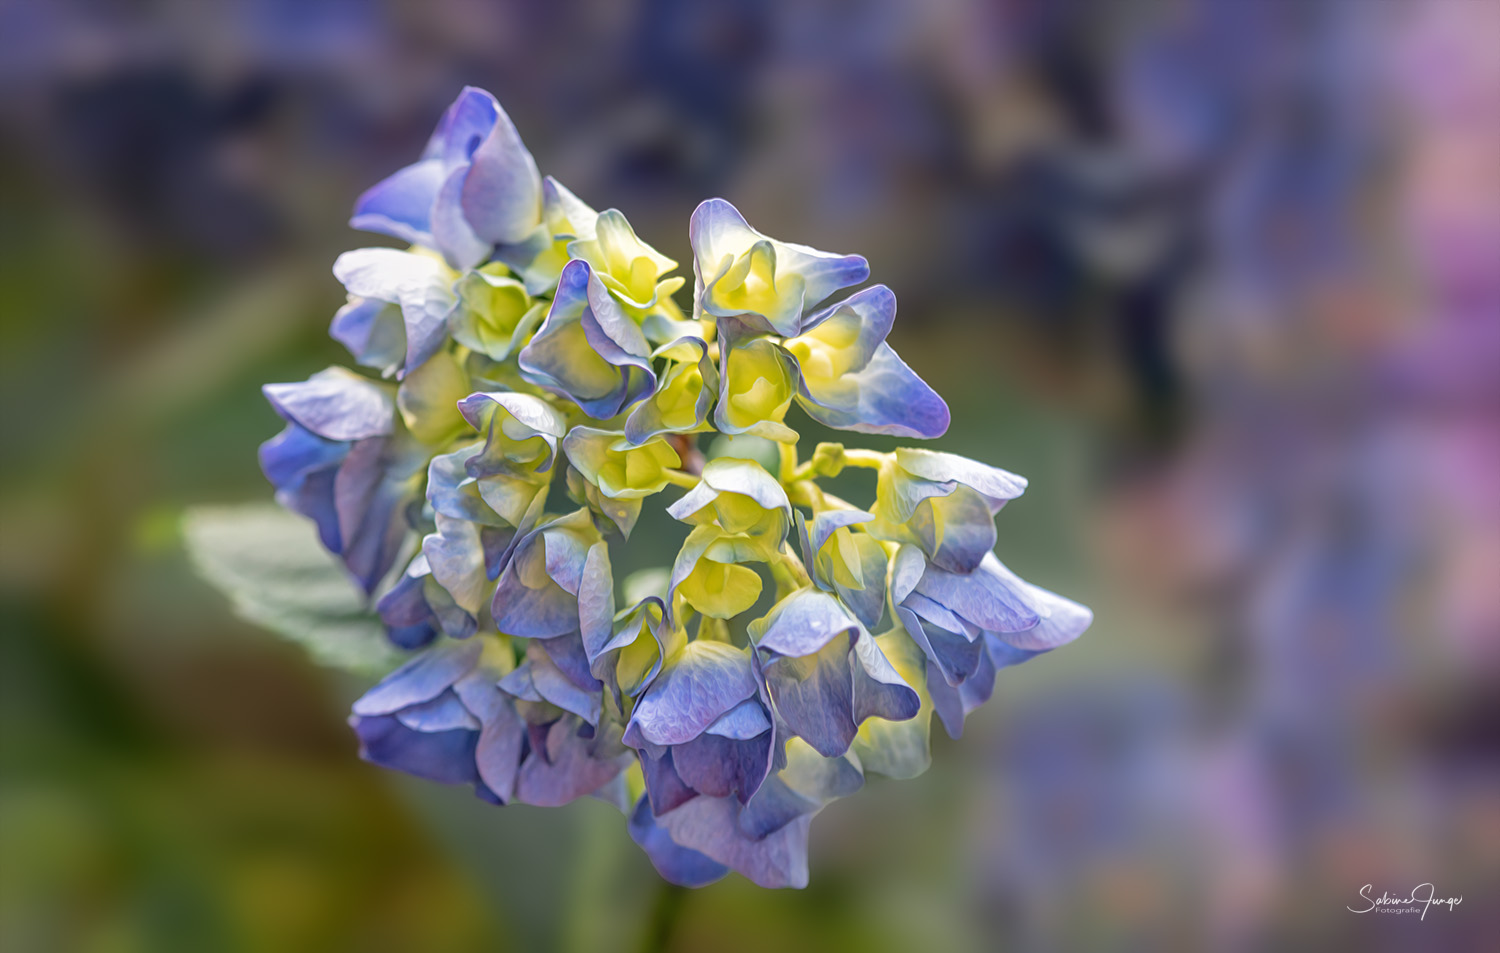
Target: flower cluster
pixel 529 352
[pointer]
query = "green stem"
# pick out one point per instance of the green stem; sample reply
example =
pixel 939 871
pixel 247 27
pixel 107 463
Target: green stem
pixel 665 914
pixel 870 459
pixel 788 453
pixel 680 478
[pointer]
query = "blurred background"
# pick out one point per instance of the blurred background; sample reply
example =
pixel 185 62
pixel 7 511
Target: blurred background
pixel 1221 277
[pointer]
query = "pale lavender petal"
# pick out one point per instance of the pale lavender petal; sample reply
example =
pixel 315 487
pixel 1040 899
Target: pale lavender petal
pixel 336 404
pixel 802 623
pixel 443 713
pixel 991 597
pixel 711 826
pixel 421 679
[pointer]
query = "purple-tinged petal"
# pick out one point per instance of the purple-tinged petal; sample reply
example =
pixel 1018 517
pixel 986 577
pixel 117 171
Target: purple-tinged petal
pixel 465 123
pixel 774 806
pixel 814 695
pixel 992 482
pixel 502 195
pixel 711 826
pixel 723 765
pixel 947 703
pixel 954 657
pixel 456 557
pixel 454 493
pixel 1005 655
pixel 559 689
pixel 573 354
pixel 372 491
pixel 743 272
pixel 825 524
pixel 570 770
pixel 879 690
pixel 409 620
pixel 497 755
pixel 451 232
pixel 566 652
pixel 664 787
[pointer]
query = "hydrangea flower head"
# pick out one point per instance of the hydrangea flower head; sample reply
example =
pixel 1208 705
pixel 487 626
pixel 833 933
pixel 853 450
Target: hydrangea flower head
pixel 526 350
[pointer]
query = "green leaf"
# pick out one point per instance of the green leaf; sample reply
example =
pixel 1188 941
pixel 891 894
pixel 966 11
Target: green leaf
pixel 269 563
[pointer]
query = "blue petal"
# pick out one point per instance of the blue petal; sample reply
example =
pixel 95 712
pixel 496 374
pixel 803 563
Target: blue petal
pixel 559 689
pixel 992 482
pixel 456 557
pixel 409 620
pixel 954 657
pixel 445 756
pixel 675 863
pixel 957 531
pixel 885 397
pixel 453 492
pixel 497 755
pixel 879 690
pixel 465 123
pixel 664 787
pixel 303 468
pixel 542 612
pixel 774 806
pixel 700 683
pixel 401 204
pixel 451 232
pixel 825 524
pixel 373 332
